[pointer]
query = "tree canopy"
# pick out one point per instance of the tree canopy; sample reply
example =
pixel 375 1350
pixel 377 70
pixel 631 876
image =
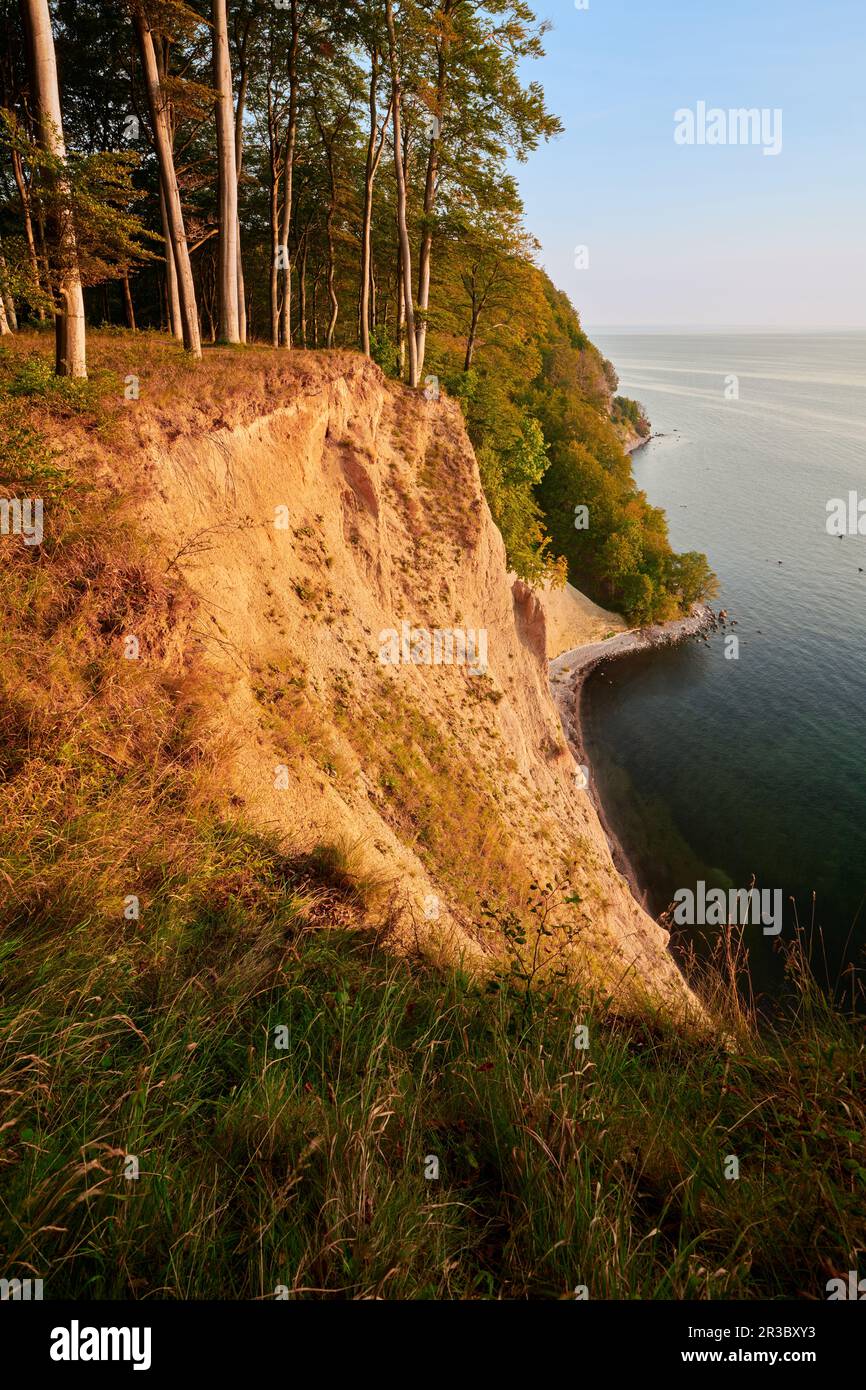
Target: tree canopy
pixel 335 173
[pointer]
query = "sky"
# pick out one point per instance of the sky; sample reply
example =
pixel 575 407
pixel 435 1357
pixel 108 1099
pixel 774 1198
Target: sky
pixel 703 235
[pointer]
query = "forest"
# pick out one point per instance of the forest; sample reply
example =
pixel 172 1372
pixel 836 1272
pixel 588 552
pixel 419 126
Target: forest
pixel 337 174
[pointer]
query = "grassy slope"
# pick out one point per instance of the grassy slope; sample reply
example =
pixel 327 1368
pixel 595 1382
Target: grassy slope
pixel 305 1165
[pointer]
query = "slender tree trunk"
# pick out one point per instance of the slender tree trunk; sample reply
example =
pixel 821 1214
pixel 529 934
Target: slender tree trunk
pixel 174 211
pixel 375 145
pixel 241 290
pixel 172 297
pixel 5 325
pixel 289 166
pixel 401 312
pixel 128 306
pixel 71 354
pixel 274 215
pixel 329 139
pixel 332 293
pixel 302 290
pixel 243 82
pixel 425 254
pixel 227 179
pixel 42 243
pixel 30 240
pixel 470 342
pixel 285 332
pixel 274 282
pixel 402 228
pixel 8 317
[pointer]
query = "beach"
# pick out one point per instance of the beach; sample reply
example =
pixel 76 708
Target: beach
pixel 567 674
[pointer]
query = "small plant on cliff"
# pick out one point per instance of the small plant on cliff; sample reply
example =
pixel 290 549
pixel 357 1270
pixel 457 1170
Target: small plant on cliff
pixel 541 948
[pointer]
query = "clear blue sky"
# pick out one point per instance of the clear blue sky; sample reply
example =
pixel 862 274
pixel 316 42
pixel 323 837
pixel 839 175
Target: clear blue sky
pixel 705 236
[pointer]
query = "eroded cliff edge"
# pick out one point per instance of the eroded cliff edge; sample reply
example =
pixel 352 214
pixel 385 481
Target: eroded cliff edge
pixel 315 512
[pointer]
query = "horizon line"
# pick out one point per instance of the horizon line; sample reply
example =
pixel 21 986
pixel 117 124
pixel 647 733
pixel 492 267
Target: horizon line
pixel 778 329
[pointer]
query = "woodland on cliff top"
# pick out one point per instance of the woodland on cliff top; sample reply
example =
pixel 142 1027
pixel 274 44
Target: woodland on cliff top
pixel 337 174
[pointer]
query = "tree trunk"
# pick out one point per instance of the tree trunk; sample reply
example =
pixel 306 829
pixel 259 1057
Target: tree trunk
pixel 274 283
pixel 5 324
pixel 402 229
pixel 401 313
pixel 302 291
pixel 128 306
pixel 274 216
pixel 332 293
pixel 329 140
pixel 172 298
pixel 375 145
pixel 227 179
pixel 470 342
pixel 425 254
pixel 173 209
pixel 8 317
pixel 24 195
pixel 289 166
pixel 71 353
pixel 243 82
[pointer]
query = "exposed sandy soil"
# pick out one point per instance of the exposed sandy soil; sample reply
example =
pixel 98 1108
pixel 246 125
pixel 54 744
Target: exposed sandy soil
pixel 310 514
pixel 573 620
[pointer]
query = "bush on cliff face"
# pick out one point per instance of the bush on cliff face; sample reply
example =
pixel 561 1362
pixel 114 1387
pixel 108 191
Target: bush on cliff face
pixel 630 413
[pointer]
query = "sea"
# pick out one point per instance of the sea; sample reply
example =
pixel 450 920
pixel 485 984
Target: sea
pixel 744 763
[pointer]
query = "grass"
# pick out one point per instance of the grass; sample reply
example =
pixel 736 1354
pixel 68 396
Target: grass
pixel 284 1089
pixel 437 800
pixel 211 1087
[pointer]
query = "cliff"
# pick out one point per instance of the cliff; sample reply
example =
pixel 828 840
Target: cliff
pixel 325 518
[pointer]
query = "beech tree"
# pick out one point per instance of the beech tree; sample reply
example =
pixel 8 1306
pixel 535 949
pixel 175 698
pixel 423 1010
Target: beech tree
pixel 227 179
pixel 7 305
pixel 372 38
pixel 177 242
pixel 400 175
pixel 362 150
pixel 70 340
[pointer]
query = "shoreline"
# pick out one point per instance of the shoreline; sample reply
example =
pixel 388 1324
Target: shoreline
pixel 567 674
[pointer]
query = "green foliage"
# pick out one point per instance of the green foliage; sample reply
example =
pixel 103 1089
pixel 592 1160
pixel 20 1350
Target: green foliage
pixel 384 351
pixel 99 191
pixel 623 557
pixel 538 406
pixel 34 379
pixel 27 460
pixel 509 479
pixel 632 413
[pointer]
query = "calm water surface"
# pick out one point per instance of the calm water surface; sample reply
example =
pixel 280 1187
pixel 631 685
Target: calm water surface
pixel 720 769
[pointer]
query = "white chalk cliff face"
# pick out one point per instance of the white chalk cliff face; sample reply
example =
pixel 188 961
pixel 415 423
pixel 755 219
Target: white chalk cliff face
pixel 325 523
